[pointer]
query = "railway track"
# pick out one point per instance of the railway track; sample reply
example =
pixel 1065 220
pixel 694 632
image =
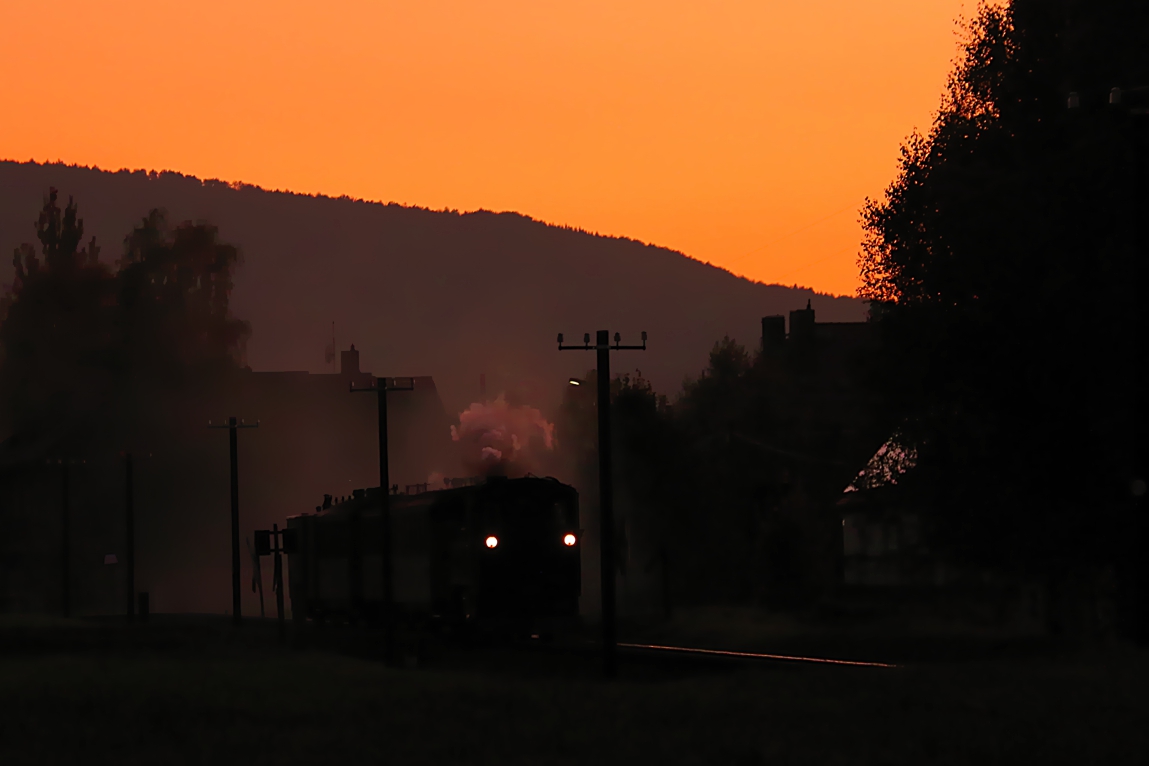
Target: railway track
pixel 581 657
pixel 729 654
pixel 572 654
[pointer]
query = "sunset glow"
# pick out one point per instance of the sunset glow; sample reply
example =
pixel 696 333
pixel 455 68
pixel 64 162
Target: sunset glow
pixel 746 134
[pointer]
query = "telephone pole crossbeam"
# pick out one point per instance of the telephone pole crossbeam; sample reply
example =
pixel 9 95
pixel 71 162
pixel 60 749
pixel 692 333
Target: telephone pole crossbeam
pixel 381 388
pixel 233 424
pixel 603 348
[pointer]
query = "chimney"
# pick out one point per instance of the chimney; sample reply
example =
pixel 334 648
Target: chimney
pixel 349 361
pixel 773 332
pixel 802 324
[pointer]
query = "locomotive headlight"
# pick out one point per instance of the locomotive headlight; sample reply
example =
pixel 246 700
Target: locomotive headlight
pixel 569 540
pixel 492 541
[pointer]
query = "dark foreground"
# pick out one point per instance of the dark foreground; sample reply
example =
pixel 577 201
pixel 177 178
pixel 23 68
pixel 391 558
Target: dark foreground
pixel 195 692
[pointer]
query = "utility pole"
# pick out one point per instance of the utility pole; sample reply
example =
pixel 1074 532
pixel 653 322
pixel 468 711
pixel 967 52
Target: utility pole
pixel 65 536
pixel 65 544
pixel 130 531
pixel 606 491
pixel 233 425
pixel 66 533
pixel 130 542
pixel 382 387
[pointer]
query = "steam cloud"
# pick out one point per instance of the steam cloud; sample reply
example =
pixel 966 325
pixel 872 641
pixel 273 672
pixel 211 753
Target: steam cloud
pixel 498 436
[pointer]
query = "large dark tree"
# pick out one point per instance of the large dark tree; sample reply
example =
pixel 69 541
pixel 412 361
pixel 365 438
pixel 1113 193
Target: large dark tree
pixel 1004 270
pixel 174 286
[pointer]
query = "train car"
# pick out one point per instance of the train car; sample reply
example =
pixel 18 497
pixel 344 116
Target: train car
pixel 495 551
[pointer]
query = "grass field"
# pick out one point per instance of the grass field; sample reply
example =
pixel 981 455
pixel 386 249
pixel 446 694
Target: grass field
pixel 86 693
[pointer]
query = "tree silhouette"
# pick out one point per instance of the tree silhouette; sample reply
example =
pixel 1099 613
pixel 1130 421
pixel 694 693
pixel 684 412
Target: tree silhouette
pixel 174 286
pixel 732 484
pixel 57 325
pixel 1001 265
pixel 81 342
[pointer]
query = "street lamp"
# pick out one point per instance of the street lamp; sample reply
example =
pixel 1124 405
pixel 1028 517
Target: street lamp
pixel 606 495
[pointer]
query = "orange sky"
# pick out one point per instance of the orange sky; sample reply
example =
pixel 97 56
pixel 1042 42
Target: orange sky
pixel 722 129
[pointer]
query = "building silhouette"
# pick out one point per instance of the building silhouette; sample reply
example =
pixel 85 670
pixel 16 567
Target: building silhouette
pixel 314 438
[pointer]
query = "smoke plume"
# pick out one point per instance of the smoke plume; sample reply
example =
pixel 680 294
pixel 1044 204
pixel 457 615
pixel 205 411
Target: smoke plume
pixel 499 438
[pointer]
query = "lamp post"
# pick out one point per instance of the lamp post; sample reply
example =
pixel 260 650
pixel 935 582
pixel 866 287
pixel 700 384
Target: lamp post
pixel 606 492
pixel 233 425
pixel 381 388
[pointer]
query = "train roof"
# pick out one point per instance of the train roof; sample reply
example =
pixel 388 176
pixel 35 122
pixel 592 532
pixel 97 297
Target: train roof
pixel 422 494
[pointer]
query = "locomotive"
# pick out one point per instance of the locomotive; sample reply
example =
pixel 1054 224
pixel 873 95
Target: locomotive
pixel 493 552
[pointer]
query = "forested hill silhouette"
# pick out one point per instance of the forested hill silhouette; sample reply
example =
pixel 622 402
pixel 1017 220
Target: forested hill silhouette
pixel 424 292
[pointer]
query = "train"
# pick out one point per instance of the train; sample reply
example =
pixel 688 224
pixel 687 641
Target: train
pixel 496 552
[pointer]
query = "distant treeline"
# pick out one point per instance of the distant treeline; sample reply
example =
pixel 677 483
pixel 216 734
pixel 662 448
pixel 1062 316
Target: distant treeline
pixel 84 344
